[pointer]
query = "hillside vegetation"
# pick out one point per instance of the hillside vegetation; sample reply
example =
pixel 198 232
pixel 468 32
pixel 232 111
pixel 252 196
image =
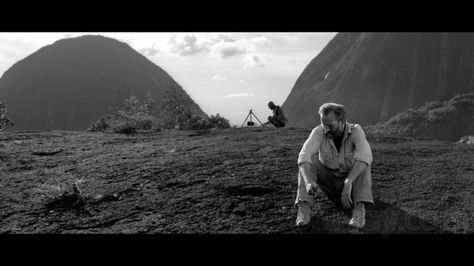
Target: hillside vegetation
pixel 448 120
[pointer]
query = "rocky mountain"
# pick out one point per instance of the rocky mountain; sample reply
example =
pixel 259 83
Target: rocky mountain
pixel 75 81
pixel 377 75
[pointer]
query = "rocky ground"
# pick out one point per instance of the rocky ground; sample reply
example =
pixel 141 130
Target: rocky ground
pixel 230 181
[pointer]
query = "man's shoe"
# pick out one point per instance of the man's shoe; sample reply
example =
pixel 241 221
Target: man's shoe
pixel 304 214
pixel 358 216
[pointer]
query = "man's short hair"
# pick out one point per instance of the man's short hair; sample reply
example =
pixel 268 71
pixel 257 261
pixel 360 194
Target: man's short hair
pixel 338 109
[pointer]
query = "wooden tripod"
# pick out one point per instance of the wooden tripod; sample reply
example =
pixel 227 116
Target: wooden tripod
pixel 250 123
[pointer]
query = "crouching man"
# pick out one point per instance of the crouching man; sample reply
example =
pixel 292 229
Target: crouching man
pixel 336 158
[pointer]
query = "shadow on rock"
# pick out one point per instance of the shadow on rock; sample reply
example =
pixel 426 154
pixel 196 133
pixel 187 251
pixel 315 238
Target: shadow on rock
pixel 386 219
pixel 320 225
pixel 383 218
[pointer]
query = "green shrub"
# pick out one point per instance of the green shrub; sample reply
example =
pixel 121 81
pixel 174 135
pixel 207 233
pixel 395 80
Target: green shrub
pixel 212 122
pixel 4 119
pixel 128 118
pixel 444 114
pixel 463 103
pixel 199 123
pixel 141 121
pixel 219 122
pixel 144 123
pixel 430 106
pixel 99 126
pixel 175 112
pixel 441 120
pixel 410 116
pixel 125 128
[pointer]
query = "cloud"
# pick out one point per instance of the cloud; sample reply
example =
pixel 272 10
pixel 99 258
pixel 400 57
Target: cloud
pixel 259 40
pixel 189 45
pixel 224 38
pixel 219 78
pixel 254 61
pixel 228 49
pixel 245 94
pixel 235 48
pixel 221 46
pixel 151 51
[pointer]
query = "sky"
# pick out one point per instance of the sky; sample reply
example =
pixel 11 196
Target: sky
pixel 224 72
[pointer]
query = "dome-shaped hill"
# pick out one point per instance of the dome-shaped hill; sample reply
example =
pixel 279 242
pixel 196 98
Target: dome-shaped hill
pixel 73 82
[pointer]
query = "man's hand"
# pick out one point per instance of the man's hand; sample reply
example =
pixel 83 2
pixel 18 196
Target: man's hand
pixel 310 185
pixel 346 193
pixel 311 188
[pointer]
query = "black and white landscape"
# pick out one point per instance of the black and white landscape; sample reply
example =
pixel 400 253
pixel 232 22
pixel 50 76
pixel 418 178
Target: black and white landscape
pixel 106 141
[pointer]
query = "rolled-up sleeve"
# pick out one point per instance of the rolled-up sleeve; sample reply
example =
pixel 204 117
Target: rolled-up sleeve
pixel 362 151
pixel 311 146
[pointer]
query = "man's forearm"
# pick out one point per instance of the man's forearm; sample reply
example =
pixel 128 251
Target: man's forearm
pixel 356 170
pixel 305 169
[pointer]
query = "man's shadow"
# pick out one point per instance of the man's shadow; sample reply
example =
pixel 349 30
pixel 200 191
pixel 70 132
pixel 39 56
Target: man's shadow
pixel 383 218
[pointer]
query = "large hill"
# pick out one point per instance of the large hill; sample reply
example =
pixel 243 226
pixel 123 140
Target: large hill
pixel 376 75
pixel 73 82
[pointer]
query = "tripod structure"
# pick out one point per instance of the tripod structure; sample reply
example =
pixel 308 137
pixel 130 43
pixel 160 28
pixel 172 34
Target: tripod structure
pixel 250 123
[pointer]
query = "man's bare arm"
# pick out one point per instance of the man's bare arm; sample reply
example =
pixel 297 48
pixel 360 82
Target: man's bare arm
pixel 310 186
pixel 356 170
pixel 305 157
pixel 305 169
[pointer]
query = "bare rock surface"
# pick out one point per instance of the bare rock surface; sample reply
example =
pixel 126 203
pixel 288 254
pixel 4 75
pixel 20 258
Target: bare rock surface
pixel 229 181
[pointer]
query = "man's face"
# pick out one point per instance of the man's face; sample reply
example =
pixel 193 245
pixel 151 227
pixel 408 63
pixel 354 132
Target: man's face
pixel 333 127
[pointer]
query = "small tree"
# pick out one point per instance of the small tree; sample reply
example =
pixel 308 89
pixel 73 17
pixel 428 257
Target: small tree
pixel 4 120
pixel 132 106
pixel 149 104
pixel 175 111
pixel 131 116
pixel 219 122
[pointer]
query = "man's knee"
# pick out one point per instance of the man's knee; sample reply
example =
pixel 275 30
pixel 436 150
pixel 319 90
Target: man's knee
pixel 362 187
pixel 320 169
pixel 279 124
pixel 365 178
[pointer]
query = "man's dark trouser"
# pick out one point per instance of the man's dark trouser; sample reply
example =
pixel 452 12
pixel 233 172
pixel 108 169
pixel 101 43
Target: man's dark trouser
pixel 333 185
pixel 276 122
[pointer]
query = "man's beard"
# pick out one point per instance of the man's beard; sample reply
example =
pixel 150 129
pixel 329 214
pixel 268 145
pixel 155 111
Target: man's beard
pixel 333 135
